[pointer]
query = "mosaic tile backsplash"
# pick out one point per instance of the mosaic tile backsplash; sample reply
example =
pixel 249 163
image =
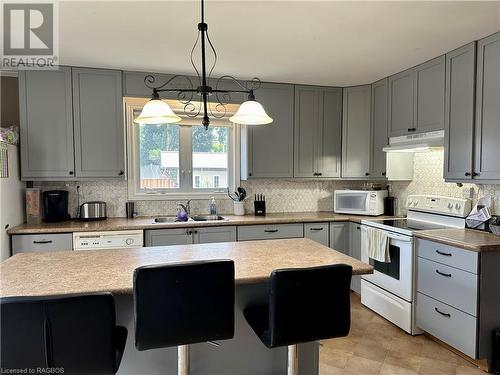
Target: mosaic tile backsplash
pixel 282 195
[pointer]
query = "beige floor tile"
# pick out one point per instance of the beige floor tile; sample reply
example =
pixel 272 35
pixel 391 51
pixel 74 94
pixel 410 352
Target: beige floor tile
pixel 436 367
pixel 406 345
pixel 468 370
pixel 399 359
pixel 388 369
pixel 335 358
pixel 370 350
pixel 363 366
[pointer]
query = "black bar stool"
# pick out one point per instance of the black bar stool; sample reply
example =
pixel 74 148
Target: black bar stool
pixel 183 303
pixel 74 332
pixel 306 304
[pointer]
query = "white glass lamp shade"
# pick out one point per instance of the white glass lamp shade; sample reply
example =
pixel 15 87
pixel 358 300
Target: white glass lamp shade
pixel 157 111
pixel 251 113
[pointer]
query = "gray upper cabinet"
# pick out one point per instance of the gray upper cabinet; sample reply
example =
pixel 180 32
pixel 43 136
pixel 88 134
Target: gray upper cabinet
pixel 487 165
pixel 401 103
pixel 318 130
pixel 270 147
pixel 98 123
pixel 46 124
pixel 429 95
pixel 459 112
pixel 379 128
pixel 356 133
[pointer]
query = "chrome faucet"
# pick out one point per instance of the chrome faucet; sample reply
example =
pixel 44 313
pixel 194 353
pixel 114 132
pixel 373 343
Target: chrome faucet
pixel 186 207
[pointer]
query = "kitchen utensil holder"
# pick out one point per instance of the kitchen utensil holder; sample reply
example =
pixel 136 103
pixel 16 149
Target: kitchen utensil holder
pixel 259 208
pixel 239 208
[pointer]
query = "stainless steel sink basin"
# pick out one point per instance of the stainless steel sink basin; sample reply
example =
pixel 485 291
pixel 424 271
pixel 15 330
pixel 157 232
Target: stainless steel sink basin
pixel 208 218
pixel 165 219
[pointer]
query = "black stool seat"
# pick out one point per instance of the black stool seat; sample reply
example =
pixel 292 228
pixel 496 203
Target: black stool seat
pixel 304 305
pixel 74 332
pixel 183 303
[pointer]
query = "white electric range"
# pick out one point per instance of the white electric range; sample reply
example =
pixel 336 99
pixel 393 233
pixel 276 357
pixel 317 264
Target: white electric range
pixel 390 290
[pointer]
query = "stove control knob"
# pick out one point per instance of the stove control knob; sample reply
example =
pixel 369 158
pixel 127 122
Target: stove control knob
pixel 458 206
pixel 129 241
pixel 415 203
pixel 450 205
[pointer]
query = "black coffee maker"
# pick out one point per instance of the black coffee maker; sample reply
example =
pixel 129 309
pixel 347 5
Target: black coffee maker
pixel 55 206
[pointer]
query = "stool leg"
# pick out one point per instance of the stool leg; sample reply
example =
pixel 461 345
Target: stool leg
pixel 293 363
pixel 183 360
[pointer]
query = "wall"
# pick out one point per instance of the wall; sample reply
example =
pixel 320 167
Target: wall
pixel 9 101
pixel 283 195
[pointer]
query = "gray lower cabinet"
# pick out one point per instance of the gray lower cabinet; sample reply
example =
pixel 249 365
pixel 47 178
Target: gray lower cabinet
pixel 269 149
pixel 457 296
pixel 34 243
pixel 98 123
pixel 318 232
pixel 459 112
pixel 318 131
pixel 46 124
pixel 186 236
pixel 356 132
pixel 270 232
pixel 214 234
pixel 339 236
pixel 487 128
pixel 355 252
pixel 401 103
pixel 429 95
pixel 379 129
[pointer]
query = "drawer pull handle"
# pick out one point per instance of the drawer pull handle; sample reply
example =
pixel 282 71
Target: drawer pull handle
pixel 443 274
pixel 271 230
pixel 442 313
pixel 445 254
pixel 42 242
pixel 315 229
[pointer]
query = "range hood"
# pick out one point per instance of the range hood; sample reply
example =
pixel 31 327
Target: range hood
pixel 416 142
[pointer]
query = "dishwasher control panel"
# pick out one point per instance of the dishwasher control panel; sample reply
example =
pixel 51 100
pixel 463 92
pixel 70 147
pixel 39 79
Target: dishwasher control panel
pixel 124 239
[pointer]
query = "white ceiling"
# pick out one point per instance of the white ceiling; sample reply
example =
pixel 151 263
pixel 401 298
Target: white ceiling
pixel 326 43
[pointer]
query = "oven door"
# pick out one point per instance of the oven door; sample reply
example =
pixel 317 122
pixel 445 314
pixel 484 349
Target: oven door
pixel 351 202
pixel 395 277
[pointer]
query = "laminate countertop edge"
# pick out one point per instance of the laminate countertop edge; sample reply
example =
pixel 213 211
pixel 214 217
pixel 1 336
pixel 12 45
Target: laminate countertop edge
pixel 142 223
pixel 467 239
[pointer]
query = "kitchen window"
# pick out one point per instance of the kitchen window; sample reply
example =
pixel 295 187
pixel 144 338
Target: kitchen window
pixel 180 160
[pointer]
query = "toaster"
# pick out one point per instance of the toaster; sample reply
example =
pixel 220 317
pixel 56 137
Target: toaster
pixel 93 211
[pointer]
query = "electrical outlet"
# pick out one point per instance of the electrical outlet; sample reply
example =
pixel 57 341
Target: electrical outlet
pixel 468 193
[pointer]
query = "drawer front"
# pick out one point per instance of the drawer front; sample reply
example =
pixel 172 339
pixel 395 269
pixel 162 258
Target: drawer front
pixel 463 259
pixel 34 243
pixel 317 232
pixel 450 325
pixel 447 284
pixel 270 232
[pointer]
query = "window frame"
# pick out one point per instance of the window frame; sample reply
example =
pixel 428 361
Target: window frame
pixel 186 179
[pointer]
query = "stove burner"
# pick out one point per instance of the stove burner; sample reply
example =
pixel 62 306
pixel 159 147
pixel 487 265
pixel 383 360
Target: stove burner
pixel 412 224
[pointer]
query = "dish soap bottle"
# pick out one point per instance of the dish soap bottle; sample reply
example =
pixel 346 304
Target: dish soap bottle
pixel 213 207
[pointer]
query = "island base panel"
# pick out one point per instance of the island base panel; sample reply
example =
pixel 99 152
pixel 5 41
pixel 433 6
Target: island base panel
pixel 243 355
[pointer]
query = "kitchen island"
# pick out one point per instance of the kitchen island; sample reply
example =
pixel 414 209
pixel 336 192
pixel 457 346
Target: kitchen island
pixel 34 274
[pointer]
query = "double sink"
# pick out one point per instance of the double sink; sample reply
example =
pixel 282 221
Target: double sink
pixel 173 219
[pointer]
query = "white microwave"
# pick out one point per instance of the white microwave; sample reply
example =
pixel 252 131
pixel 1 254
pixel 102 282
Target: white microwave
pixel 359 202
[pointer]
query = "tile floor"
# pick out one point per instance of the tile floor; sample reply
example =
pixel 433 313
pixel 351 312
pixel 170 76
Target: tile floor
pixel 375 346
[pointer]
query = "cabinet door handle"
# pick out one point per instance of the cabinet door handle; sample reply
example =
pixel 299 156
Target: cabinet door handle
pixel 71 172
pixel 195 232
pixel 189 231
pixel 384 173
pixel 358 228
pixel 475 174
pixel 121 173
pixel 442 313
pixel 409 130
pixel 413 129
pixel 443 274
pixel 315 229
pixel 367 174
pixel 467 174
pixel 445 254
pixel 42 242
pixel 270 230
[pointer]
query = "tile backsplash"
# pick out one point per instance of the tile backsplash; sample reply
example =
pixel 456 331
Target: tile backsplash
pixel 282 195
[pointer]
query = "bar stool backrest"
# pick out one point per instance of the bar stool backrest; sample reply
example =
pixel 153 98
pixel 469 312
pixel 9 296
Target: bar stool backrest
pixel 74 332
pixel 309 304
pixel 183 303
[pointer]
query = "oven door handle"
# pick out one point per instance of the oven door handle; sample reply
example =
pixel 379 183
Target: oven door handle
pixel 399 238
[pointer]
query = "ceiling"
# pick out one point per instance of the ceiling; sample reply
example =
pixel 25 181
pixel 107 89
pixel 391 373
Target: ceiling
pixel 325 42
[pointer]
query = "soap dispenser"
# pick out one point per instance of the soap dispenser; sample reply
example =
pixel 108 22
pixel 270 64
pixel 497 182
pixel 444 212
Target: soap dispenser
pixel 213 207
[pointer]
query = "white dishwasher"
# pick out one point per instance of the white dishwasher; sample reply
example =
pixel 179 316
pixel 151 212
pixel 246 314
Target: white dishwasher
pixel 123 239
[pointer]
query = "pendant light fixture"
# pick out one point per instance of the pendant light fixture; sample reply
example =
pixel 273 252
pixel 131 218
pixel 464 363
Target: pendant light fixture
pixel 157 111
